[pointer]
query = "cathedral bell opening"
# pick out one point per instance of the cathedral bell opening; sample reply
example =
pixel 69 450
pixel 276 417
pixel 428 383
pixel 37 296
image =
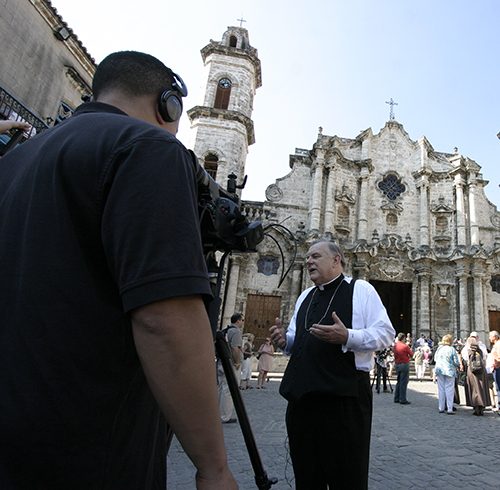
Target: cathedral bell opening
pixel 396 297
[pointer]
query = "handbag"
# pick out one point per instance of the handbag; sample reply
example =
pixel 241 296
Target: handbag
pixel 462 376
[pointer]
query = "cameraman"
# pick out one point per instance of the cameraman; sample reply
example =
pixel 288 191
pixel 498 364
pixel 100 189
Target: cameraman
pixel 381 369
pixel 102 318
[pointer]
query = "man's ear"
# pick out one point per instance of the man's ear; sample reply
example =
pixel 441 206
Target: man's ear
pixel 160 120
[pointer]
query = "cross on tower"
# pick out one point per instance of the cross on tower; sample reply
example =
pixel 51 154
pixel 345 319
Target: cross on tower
pixel 391 112
pixel 241 20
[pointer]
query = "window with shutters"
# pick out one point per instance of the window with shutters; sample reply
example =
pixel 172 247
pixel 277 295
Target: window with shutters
pixel 210 165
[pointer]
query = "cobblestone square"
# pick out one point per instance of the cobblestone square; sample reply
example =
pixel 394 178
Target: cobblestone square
pixel 413 446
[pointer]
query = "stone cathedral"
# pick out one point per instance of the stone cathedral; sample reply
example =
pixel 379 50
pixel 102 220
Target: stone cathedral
pixel 413 221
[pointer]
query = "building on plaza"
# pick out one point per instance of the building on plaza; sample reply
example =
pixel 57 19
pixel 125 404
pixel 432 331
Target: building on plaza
pixel 413 221
pixel 45 67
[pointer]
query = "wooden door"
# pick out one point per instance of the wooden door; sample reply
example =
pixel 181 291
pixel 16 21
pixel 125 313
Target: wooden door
pixel 260 316
pixel 494 320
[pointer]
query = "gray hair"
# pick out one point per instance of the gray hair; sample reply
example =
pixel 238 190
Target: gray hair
pixel 333 249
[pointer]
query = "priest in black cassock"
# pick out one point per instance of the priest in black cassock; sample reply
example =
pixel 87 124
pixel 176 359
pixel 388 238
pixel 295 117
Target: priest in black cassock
pixel 337 326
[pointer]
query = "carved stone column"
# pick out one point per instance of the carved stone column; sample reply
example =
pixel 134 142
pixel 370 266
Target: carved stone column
pixel 474 228
pixel 232 289
pixel 486 313
pixel 478 306
pixel 480 321
pixel 460 206
pixel 415 302
pixel 317 191
pixel 330 202
pixel 424 211
pixel 463 303
pixel 362 206
pixel 425 305
pixel 296 288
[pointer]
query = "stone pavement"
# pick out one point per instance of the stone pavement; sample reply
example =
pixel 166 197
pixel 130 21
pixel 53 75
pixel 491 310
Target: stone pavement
pixel 413 446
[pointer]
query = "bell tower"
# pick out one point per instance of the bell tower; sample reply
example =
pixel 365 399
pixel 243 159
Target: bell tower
pixel 222 128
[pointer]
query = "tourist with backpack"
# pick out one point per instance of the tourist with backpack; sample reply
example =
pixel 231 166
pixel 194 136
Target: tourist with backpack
pixel 473 358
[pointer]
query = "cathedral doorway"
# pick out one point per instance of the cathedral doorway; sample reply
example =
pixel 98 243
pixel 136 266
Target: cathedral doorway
pixel 260 316
pixel 396 297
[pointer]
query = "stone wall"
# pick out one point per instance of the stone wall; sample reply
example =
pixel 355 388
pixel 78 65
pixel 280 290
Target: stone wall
pixel 38 69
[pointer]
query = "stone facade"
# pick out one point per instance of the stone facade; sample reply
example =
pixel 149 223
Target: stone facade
pixel 42 68
pixel 413 221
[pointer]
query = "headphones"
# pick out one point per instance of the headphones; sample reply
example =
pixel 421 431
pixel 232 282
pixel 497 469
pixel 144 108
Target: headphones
pixel 170 101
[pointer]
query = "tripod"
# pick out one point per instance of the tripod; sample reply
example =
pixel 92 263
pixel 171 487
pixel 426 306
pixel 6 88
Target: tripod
pixel 224 354
pixel 377 374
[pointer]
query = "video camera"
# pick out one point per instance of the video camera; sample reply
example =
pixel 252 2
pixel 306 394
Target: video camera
pixel 223 227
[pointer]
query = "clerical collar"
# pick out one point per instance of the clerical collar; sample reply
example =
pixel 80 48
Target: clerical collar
pixel 332 283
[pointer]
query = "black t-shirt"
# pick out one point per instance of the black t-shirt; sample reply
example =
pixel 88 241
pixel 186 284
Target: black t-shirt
pixel 98 216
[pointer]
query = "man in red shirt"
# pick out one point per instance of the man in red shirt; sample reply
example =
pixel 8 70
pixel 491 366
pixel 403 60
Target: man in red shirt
pixel 402 356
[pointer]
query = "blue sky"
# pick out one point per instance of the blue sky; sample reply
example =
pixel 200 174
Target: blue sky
pixel 329 63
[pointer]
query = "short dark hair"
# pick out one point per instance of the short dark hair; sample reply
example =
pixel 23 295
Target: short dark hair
pixel 333 249
pixel 236 317
pixel 131 73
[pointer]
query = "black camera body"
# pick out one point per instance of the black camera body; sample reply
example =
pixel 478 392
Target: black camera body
pixel 223 227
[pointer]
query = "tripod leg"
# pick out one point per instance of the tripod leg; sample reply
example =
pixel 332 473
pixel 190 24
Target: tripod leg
pixel 222 348
pixel 224 354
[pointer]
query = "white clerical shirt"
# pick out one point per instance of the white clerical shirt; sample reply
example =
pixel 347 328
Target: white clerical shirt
pixel 371 328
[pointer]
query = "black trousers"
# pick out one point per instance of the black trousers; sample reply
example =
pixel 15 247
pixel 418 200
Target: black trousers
pixel 329 439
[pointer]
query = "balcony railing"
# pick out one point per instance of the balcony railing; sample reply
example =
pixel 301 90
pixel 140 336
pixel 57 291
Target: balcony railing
pixel 12 109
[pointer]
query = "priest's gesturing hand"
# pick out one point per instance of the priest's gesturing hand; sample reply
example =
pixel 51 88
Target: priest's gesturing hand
pixel 335 334
pixel 278 334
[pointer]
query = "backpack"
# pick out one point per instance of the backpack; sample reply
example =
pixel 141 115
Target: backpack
pixel 224 333
pixel 476 362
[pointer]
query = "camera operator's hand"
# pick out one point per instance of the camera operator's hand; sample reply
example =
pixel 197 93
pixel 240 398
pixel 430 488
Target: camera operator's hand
pixel 278 334
pixel 8 125
pixel 225 481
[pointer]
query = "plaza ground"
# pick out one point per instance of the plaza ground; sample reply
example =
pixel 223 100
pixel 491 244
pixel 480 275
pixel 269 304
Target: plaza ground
pixel 413 446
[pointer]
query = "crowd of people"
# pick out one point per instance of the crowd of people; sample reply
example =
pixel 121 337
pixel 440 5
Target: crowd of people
pixel 450 363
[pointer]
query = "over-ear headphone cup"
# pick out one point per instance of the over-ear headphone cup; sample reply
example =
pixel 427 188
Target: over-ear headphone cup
pixel 170 106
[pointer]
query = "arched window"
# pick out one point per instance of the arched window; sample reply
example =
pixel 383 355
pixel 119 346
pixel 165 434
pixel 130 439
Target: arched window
pixel 391 187
pixel 223 93
pixel 211 164
pixel 233 41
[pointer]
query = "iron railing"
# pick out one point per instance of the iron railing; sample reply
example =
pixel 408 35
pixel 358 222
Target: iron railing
pixel 12 109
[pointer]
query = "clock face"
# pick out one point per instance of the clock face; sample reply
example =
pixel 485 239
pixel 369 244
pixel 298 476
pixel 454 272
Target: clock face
pixel 225 83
